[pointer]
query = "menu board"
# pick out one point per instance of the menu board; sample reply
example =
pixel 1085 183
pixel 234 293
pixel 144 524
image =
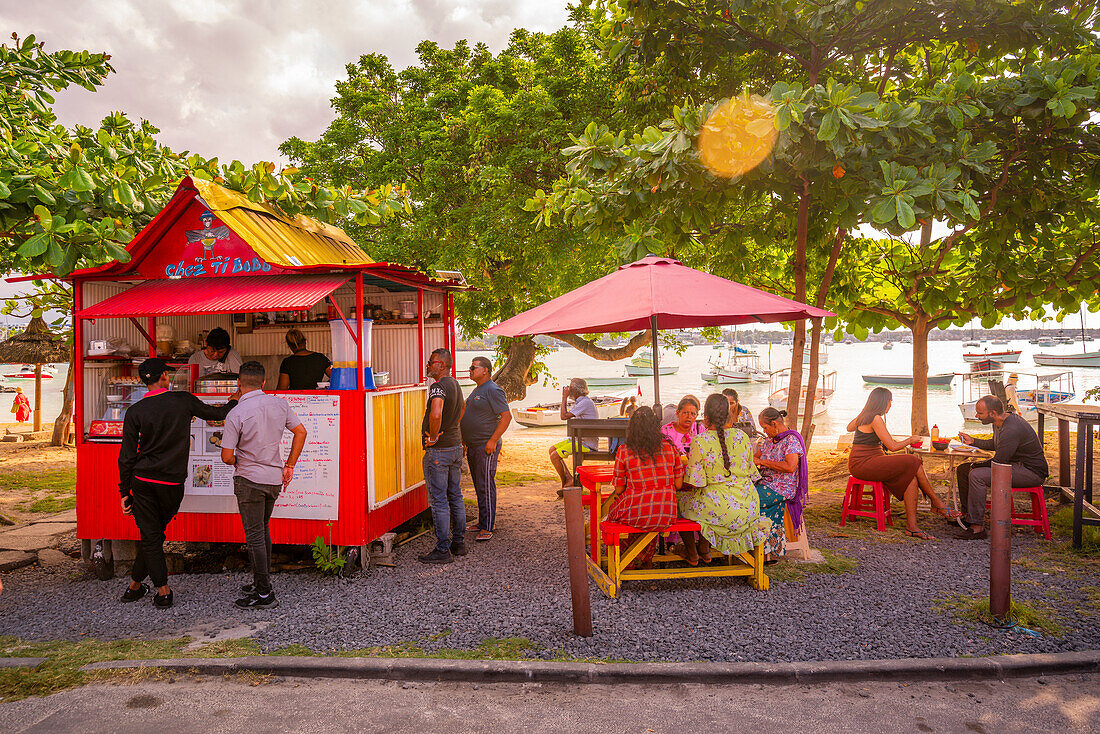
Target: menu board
pixel 313 494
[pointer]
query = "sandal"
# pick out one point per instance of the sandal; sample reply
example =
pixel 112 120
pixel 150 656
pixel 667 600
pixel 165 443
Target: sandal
pixel 951 515
pixel 918 533
pixel 484 535
pixel 681 551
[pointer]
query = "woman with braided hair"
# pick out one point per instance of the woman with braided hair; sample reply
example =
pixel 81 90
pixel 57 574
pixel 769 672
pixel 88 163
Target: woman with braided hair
pixel 723 500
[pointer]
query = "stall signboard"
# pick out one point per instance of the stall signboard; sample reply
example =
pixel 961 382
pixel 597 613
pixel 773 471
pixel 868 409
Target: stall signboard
pixel 199 245
pixel 314 493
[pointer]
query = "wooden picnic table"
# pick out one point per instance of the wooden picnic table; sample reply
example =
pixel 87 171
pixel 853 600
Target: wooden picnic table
pixel 1087 417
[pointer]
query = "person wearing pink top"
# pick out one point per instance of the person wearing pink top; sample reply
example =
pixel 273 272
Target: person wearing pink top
pixel 681 430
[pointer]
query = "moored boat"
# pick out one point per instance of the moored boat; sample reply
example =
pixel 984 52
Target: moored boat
pixel 549 414
pixel 1004 355
pixel 888 346
pixel 1083 359
pixel 603 383
pixel 642 365
pixel 26 372
pixel 1055 387
pixel 780 389
pixel 943 380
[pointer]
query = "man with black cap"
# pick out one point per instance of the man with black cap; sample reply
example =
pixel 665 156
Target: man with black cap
pixel 152 465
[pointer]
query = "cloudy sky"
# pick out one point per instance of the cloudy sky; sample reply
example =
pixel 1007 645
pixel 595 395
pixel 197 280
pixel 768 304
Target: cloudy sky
pixel 235 78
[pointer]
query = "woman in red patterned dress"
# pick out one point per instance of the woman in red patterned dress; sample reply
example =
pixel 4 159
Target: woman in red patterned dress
pixel 648 471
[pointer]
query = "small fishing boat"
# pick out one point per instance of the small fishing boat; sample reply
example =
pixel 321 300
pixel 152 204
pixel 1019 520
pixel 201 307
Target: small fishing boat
pixel 1083 359
pixel 780 389
pixel 849 340
pixel 549 414
pixel 971 344
pixel 642 365
pixel 943 380
pixel 822 354
pixel 606 383
pixel 26 372
pixel 1004 355
pixel 1055 387
pixel 739 366
pixel 907 340
pixel 1046 341
pixel 888 345
pixel 999 341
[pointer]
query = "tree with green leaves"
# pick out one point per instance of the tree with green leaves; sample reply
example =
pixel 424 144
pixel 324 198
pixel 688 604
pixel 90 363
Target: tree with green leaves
pixel 475 135
pixel 862 92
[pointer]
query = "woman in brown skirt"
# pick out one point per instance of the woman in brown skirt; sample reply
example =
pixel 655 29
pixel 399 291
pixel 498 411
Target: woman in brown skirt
pixel 903 475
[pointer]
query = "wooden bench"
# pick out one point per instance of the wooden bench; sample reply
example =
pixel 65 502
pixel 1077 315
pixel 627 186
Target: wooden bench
pixel 749 564
pixel 579 429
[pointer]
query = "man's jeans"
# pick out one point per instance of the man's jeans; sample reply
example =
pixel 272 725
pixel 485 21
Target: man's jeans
pixel 255 502
pixel 483 471
pixel 974 487
pixel 442 472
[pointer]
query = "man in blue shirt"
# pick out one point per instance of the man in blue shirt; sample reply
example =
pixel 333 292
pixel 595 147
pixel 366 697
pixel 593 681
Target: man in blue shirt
pixel 583 407
pixel 484 422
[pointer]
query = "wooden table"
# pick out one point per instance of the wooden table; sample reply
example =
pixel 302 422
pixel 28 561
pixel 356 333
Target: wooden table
pixel 953 457
pixel 1087 417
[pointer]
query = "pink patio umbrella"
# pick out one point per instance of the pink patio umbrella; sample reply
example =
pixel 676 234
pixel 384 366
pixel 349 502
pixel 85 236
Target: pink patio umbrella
pixel 655 293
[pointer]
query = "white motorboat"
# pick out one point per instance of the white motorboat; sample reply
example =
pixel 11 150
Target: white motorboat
pixel 1053 387
pixel 999 342
pixel 780 389
pixel 888 346
pixel 606 383
pixel 549 414
pixel 971 344
pixel 26 372
pixel 738 366
pixel 1004 355
pixel 642 365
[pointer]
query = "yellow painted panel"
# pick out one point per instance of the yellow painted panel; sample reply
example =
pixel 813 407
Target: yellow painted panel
pixel 387 459
pixel 414 448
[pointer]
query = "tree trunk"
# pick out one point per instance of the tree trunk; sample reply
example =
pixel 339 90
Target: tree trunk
pixel 61 425
pixel 919 417
pixel 811 381
pixel 515 374
pixel 801 236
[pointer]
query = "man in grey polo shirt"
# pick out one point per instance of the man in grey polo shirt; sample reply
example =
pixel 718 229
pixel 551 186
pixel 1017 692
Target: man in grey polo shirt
pixel 250 444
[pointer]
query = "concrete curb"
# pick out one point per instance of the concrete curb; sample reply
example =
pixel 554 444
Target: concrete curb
pixel 21 662
pixel 526 671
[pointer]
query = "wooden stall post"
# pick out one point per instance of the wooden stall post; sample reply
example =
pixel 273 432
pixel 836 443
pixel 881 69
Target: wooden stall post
pixel 1063 453
pixel 578 564
pixel 1000 542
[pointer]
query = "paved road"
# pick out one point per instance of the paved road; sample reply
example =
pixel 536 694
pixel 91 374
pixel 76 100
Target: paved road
pixel 1062 704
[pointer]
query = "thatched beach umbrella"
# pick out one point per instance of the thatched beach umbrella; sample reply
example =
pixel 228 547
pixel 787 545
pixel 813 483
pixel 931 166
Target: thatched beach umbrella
pixel 37 346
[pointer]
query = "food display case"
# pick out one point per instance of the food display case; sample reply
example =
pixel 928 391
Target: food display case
pixel 119 394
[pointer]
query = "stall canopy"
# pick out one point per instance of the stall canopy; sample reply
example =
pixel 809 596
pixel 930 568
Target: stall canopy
pixel 218 295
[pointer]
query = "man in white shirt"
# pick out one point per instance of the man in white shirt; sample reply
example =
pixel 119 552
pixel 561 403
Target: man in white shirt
pixel 250 444
pixel 217 355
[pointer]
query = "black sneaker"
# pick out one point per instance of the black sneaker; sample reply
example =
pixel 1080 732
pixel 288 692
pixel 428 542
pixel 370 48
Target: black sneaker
pixel 163 602
pixel 458 549
pixel 134 594
pixel 255 601
pixel 248 589
pixel 436 556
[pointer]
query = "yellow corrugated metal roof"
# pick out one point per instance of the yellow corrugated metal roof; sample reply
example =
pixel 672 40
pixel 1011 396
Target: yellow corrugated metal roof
pixel 280 240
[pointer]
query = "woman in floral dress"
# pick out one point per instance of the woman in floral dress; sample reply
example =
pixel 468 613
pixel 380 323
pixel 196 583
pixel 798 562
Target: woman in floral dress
pixel 784 477
pixel 724 500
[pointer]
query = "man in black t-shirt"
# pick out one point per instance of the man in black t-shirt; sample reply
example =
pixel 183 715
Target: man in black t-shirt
pixel 1015 443
pixel 443 459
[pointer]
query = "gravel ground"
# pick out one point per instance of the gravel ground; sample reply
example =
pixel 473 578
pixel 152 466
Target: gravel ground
pixel 516 586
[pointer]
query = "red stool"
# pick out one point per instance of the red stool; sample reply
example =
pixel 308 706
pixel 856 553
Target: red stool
pixel 1037 518
pixel 876 506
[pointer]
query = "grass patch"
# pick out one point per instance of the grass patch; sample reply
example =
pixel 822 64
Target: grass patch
pixel 1061 524
pixel 57 485
pixel 295 650
pixel 788 570
pixel 512 478
pixel 1033 615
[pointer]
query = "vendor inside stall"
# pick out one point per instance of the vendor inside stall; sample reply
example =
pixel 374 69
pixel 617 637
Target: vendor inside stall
pixel 217 355
pixel 303 369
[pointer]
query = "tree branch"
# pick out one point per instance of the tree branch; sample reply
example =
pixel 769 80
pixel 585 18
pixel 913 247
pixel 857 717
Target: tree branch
pixel 576 341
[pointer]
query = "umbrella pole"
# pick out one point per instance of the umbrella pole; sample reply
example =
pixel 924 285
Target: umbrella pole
pixel 656 369
pixel 38 397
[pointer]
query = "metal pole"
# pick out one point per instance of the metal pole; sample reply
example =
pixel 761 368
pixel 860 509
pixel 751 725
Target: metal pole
pixel 656 368
pixel 1000 542
pixel 578 562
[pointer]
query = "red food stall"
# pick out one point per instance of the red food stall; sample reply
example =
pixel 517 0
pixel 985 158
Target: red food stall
pixel 212 258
